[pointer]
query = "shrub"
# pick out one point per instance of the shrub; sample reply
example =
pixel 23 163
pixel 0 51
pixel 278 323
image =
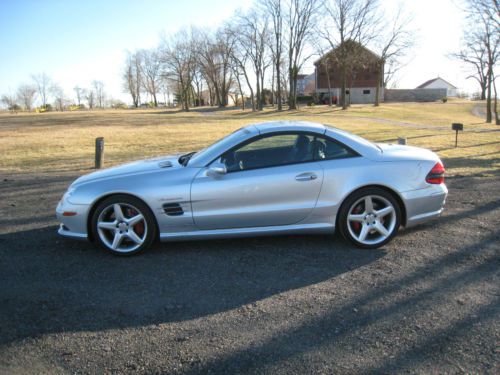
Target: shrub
pixel 304 98
pixel 444 99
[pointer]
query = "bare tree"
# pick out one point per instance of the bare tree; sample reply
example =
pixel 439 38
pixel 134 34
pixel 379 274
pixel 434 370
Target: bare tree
pixel 151 72
pixel 473 54
pixel 132 82
pixel 43 83
pixel 79 92
pixel 26 94
pixel 252 39
pixel 275 9
pixel 240 62
pixel 98 90
pixel 481 50
pixel 300 18
pixel 90 97
pixel 349 20
pixel 59 97
pixel 177 54
pixel 10 101
pixel 393 44
pixel 214 57
pixel 325 64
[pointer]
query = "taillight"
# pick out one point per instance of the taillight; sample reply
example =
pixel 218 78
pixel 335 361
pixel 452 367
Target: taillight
pixel 436 175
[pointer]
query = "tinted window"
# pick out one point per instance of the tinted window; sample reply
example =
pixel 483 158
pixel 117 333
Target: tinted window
pixel 326 149
pixel 270 151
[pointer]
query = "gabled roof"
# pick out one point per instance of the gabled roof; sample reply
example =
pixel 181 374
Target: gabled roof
pixel 427 83
pixel 351 44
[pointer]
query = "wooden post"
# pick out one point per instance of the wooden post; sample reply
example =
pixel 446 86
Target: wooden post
pixel 401 141
pixel 99 152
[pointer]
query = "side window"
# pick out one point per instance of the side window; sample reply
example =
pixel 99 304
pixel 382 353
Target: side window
pixel 270 151
pixel 327 149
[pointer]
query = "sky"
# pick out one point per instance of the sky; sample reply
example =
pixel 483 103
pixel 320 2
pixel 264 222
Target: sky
pixel 76 42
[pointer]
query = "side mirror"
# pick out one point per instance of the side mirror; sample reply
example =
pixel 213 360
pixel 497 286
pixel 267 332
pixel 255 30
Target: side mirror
pixel 216 170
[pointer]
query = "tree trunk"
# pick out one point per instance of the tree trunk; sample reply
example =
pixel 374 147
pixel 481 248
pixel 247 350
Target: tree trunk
pixel 278 87
pixel 343 88
pixel 495 106
pixel 272 88
pixel 377 88
pixel 488 99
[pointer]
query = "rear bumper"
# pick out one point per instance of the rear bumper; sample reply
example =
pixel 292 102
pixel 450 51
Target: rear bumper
pixel 424 204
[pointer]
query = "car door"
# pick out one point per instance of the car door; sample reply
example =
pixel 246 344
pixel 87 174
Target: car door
pixel 271 180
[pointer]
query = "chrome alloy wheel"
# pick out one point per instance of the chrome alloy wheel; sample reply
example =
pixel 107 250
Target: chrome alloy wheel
pixel 371 219
pixel 122 227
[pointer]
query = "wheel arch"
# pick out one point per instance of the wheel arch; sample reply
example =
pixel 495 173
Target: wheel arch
pixel 391 191
pixel 96 203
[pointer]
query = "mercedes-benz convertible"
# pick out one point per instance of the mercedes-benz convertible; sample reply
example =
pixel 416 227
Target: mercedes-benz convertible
pixel 284 177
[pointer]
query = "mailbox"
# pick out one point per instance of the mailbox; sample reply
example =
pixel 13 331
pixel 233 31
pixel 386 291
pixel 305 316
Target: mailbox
pixel 457 127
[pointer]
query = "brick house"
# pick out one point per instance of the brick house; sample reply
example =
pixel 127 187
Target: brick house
pixel 362 75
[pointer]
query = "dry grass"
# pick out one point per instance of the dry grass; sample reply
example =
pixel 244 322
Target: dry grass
pixel 65 141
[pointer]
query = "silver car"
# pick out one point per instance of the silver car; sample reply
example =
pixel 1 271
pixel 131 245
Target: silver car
pixel 264 179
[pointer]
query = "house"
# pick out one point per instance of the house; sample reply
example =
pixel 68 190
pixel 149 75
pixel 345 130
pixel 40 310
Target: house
pixel 440 83
pixel 306 84
pixel 364 73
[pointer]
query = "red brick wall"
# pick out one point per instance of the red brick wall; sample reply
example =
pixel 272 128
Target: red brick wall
pixel 360 78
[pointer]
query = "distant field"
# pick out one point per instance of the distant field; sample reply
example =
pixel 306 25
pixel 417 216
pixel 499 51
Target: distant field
pixel 52 142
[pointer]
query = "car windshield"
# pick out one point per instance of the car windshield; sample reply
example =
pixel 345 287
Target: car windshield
pixel 220 143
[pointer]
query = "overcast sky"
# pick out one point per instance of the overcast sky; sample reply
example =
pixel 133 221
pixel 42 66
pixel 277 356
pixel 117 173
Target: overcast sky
pixel 76 42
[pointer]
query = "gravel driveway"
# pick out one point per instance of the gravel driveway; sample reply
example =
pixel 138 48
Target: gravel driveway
pixel 427 302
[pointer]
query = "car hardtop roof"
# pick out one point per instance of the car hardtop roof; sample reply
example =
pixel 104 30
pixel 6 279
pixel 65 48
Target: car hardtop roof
pixel 277 126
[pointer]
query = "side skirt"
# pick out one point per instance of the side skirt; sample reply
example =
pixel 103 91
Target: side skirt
pixel 318 228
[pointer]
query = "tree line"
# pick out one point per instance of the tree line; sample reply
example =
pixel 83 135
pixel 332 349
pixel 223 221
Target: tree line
pixel 51 96
pixel 257 54
pixel 260 51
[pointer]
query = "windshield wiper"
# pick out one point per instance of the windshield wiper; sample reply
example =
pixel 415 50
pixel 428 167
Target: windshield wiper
pixel 184 159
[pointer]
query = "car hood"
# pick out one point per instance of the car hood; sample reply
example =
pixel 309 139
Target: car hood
pixel 392 152
pixel 133 168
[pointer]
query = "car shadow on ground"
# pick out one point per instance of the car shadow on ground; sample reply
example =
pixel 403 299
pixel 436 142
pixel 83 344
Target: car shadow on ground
pixel 50 284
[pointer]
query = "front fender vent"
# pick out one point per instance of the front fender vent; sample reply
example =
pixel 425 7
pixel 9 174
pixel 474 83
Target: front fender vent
pixel 165 164
pixel 173 209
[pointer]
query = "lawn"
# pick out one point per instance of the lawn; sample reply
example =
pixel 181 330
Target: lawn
pixel 53 142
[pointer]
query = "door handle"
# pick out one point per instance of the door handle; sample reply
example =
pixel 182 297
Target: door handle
pixel 306 176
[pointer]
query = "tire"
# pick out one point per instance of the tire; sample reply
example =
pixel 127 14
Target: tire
pixel 123 225
pixel 369 226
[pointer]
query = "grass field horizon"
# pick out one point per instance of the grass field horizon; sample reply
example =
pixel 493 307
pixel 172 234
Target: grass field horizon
pixel 64 141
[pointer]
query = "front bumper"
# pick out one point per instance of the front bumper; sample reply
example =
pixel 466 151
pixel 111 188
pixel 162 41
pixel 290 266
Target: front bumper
pixel 424 204
pixel 72 226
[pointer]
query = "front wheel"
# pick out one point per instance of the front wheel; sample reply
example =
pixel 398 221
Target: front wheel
pixel 123 225
pixel 369 218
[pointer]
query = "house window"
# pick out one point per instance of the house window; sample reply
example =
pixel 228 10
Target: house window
pixel 366 92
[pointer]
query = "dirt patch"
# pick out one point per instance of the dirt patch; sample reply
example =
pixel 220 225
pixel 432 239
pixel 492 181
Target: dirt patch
pixel 426 303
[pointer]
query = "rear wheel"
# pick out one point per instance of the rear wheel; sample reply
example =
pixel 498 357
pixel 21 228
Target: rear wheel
pixel 369 218
pixel 123 225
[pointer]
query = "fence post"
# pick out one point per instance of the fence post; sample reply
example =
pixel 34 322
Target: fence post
pixel 99 152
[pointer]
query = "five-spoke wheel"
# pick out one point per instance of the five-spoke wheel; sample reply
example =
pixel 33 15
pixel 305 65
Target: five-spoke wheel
pixel 123 225
pixel 370 217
